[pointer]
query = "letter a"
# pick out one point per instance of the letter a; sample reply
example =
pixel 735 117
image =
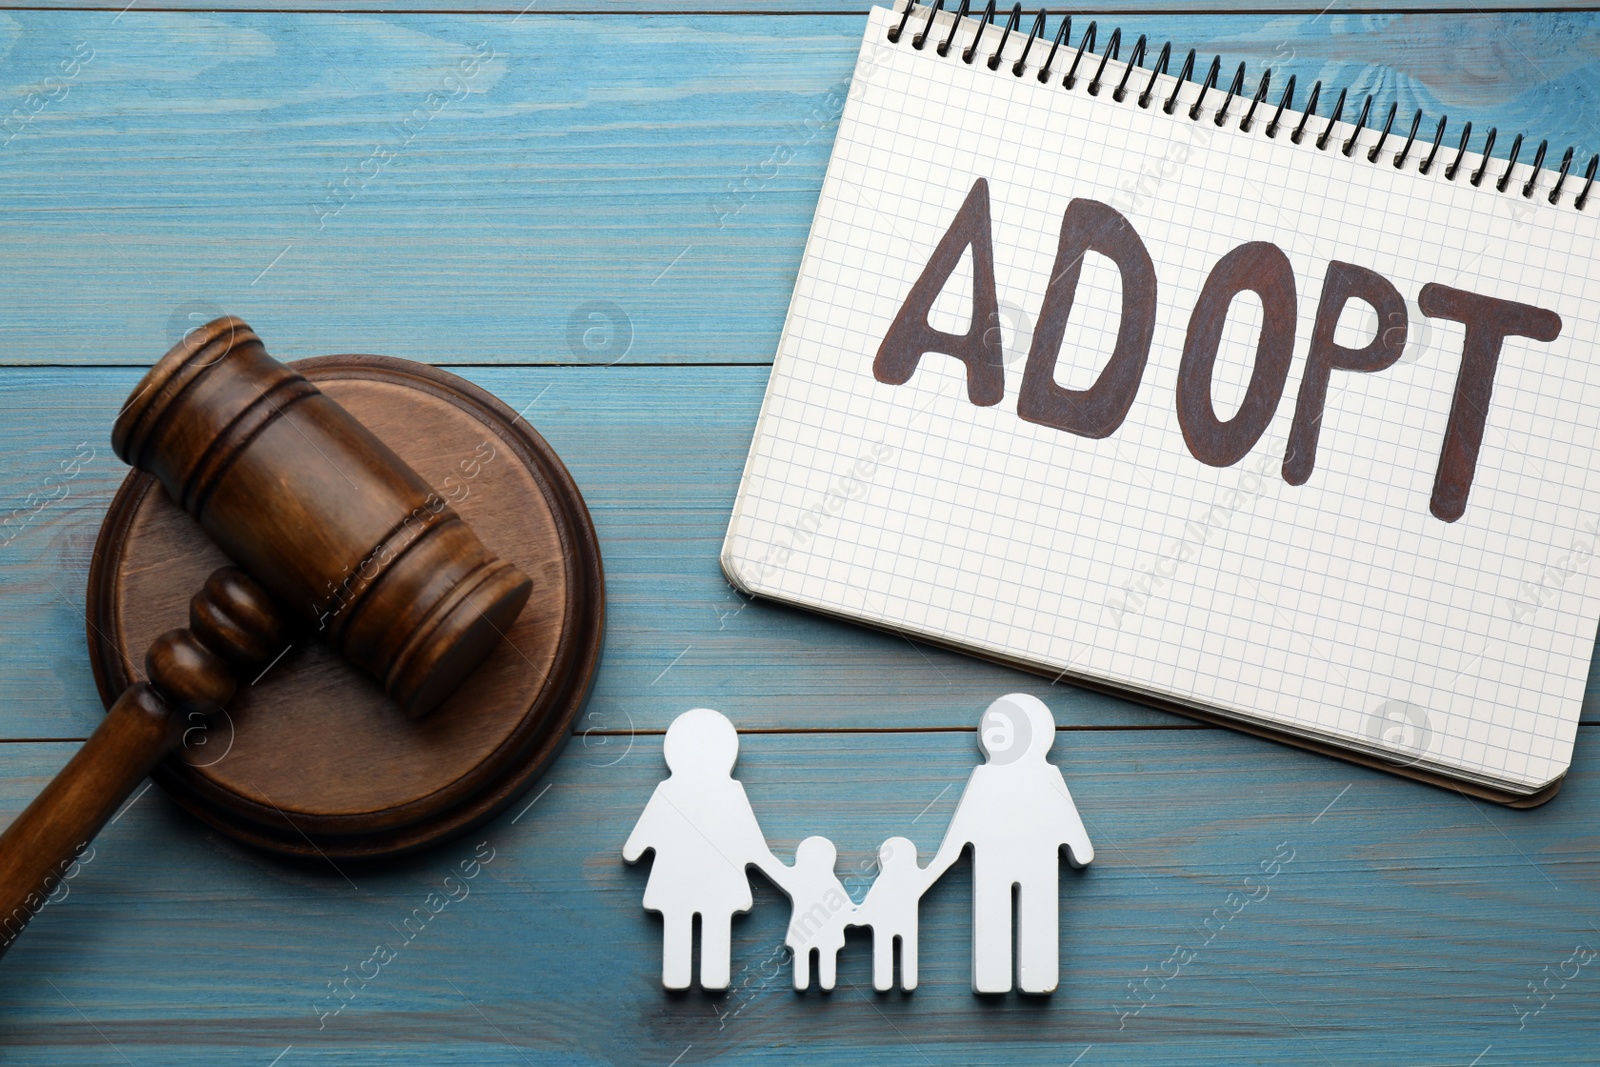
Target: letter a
pixel 910 336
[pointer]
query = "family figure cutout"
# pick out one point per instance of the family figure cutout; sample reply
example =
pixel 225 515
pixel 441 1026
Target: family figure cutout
pixel 1015 814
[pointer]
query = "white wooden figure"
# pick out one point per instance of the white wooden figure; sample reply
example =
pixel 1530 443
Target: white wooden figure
pixel 704 834
pixel 1017 816
pixel 890 910
pixel 820 910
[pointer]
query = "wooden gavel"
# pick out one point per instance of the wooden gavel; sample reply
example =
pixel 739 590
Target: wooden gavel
pixel 332 532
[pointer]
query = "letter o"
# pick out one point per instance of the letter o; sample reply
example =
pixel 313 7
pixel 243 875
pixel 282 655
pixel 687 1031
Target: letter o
pixel 1261 267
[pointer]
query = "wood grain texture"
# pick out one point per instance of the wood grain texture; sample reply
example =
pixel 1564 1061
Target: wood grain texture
pixel 657 453
pixel 45 841
pixel 311 757
pixel 182 172
pixel 854 8
pixel 1405 929
pixel 661 171
pixel 314 504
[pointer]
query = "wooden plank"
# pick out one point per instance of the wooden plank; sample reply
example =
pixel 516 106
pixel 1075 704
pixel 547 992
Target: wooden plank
pixel 657 452
pixel 606 188
pixel 521 8
pixel 1405 928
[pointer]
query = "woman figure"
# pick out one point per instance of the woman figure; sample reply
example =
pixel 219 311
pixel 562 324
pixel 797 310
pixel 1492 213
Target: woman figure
pixel 704 834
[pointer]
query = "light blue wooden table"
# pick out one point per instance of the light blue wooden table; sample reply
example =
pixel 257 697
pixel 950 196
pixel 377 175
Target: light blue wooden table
pixel 604 230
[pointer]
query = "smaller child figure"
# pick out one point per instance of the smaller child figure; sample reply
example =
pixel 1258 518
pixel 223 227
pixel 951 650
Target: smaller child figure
pixel 822 908
pixel 890 908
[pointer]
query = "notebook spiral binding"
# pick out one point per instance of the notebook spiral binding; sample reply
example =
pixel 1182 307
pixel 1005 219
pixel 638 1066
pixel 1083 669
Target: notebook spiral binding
pixel 1136 57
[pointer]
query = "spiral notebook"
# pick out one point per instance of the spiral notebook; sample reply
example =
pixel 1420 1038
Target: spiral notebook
pixel 1145 380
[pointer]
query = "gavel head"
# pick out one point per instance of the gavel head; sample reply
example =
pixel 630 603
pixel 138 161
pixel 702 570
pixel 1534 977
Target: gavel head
pixel 350 539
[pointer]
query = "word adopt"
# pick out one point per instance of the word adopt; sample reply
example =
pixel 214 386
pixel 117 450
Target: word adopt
pixel 1260 267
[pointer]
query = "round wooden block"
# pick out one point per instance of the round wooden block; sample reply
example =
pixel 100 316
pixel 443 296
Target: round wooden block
pixel 311 758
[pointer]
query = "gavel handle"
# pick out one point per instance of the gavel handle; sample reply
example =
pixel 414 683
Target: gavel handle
pixel 43 842
pixel 232 621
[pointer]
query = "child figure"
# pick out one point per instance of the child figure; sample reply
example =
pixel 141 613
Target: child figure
pixel 822 908
pixel 890 908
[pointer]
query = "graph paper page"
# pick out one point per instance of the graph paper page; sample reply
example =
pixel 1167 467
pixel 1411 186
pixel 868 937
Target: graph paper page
pixel 1341 608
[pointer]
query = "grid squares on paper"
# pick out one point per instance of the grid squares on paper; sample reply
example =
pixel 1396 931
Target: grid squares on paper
pixel 1312 608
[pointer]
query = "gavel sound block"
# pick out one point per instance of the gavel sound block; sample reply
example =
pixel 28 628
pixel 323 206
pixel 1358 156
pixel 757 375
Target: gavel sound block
pixel 414 625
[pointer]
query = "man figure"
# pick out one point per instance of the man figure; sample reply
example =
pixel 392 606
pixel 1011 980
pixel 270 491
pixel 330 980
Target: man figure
pixel 1017 815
